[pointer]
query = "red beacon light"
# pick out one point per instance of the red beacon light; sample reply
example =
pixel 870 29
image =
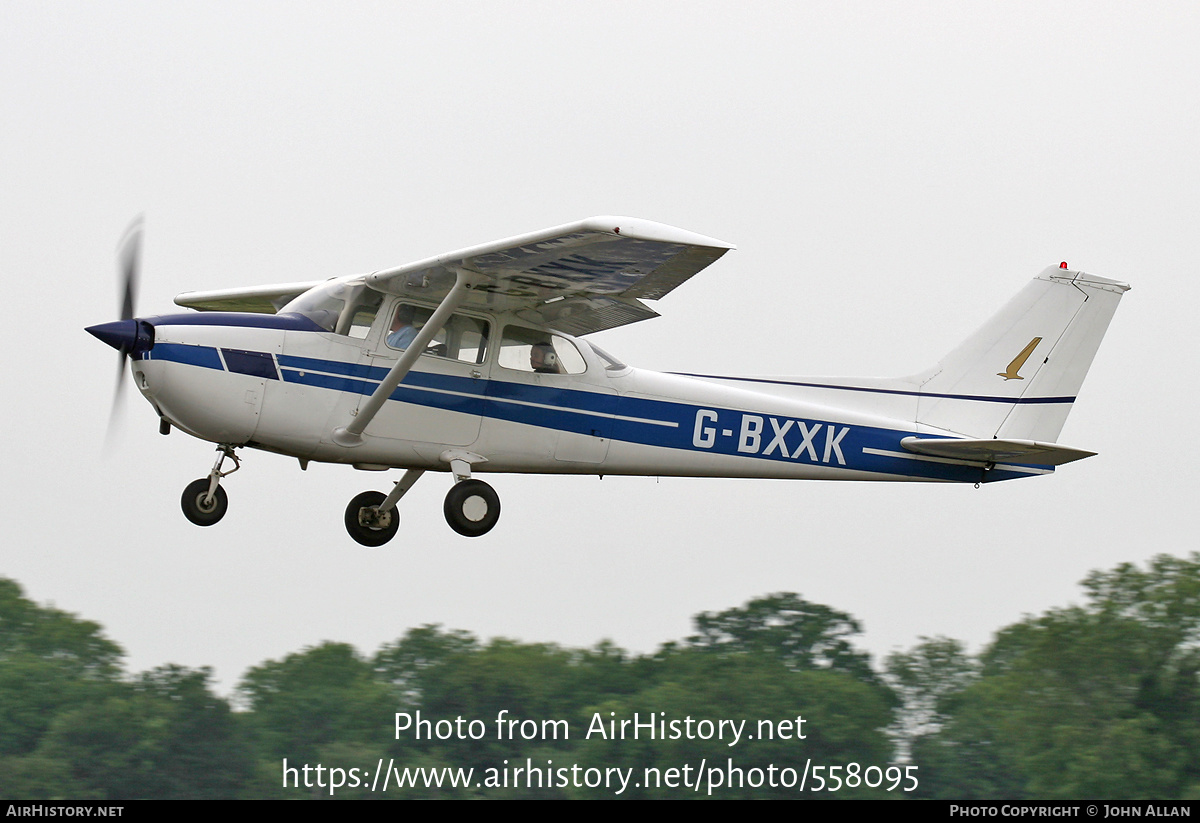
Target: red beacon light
pixel 1063 264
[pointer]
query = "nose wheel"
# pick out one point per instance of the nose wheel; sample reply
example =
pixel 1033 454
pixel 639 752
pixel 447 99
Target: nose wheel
pixel 204 502
pixel 203 508
pixel 472 508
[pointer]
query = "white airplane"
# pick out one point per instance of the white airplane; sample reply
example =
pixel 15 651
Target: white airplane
pixel 474 362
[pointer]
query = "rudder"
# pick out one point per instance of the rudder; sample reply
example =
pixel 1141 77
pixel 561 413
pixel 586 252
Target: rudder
pixel 1018 375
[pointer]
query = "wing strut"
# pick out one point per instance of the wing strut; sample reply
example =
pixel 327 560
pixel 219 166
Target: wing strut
pixel 351 435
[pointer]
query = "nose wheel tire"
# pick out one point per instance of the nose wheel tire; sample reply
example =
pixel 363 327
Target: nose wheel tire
pixel 472 508
pixel 366 524
pixel 196 509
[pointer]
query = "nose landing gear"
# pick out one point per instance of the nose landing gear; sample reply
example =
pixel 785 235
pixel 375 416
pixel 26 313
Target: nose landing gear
pixel 204 502
pixel 202 507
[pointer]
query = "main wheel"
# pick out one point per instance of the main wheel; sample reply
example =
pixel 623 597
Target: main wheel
pixel 472 508
pixel 366 524
pixel 194 507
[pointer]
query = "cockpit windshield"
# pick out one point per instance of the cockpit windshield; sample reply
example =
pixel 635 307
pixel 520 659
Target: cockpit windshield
pixel 339 306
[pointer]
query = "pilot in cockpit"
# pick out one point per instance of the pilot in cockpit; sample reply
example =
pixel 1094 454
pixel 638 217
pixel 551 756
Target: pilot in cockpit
pixel 403 331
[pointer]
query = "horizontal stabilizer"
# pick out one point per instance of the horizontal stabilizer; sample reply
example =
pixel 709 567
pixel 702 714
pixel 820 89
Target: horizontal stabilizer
pixel 996 451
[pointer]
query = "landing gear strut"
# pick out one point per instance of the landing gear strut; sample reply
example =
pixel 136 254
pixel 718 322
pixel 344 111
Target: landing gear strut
pixel 204 502
pixel 372 518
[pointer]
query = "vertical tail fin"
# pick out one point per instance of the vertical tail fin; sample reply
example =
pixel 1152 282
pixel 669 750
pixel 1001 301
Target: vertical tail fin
pixel 1017 376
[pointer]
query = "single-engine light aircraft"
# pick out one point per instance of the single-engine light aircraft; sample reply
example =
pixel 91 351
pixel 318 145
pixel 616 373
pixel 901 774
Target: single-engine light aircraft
pixel 476 361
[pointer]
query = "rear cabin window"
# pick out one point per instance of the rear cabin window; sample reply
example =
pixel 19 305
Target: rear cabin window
pixel 531 350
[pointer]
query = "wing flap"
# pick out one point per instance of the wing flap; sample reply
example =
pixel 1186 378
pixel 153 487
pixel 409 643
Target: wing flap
pixel 585 314
pixel 996 451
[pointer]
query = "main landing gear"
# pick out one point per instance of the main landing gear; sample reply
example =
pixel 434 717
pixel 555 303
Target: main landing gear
pixel 472 507
pixel 204 502
pixel 370 524
pixel 372 517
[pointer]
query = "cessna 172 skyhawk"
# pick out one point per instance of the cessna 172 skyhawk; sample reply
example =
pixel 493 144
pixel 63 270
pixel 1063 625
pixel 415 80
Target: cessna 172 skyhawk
pixel 475 362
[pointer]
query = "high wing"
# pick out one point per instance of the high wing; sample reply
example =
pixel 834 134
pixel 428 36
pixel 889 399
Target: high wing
pixel 578 278
pixel 259 299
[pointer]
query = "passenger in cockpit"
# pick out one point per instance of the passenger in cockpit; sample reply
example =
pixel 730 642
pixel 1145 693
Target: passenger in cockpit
pixel 543 359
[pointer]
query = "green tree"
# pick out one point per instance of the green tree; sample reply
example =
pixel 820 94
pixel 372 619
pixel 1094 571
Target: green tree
pixel 51 663
pixel 205 752
pixel 1098 700
pixel 323 695
pixel 77 646
pixel 163 736
pixel 410 663
pixel 803 636
pixel 928 680
pixel 775 660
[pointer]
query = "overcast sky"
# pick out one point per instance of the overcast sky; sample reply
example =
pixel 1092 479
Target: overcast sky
pixel 890 172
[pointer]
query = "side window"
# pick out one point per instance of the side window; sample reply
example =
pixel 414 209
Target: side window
pixel 530 350
pixel 463 338
pixel 468 337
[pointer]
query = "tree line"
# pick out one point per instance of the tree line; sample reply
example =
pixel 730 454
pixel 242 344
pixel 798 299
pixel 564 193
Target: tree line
pixel 1098 700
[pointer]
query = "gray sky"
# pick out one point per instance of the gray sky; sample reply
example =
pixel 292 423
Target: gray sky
pixel 891 173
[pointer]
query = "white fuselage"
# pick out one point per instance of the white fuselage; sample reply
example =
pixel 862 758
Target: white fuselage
pixel 248 381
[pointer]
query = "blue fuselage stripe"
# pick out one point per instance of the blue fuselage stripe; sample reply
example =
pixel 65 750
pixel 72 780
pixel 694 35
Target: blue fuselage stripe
pixel 663 423
pixel 982 398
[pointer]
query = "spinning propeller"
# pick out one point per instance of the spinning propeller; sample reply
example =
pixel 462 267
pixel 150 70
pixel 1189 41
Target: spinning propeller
pixel 127 335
